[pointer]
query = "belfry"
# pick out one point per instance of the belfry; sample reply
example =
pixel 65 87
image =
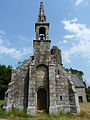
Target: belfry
pixel 41 82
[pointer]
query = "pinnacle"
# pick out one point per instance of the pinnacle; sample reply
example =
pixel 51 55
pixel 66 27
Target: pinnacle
pixel 41 16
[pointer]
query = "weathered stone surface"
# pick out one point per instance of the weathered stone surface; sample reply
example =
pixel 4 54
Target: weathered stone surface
pixel 42 82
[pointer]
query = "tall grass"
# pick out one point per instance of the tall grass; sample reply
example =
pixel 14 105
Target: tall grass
pixel 15 114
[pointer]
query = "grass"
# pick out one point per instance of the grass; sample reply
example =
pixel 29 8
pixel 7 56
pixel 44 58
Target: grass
pixel 85 107
pixel 13 114
pixel 19 115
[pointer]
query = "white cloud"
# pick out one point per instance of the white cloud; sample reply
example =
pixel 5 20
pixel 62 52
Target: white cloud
pixel 74 20
pixel 82 35
pixel 78 2
pixel 69 36
pixel 13 52
pixel 65 41
pixel 73 27
pixel 2 32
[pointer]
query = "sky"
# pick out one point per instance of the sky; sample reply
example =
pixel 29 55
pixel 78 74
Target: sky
pixel 69 30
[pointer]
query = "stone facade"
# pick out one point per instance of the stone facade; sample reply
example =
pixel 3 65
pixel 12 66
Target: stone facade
pixel 81 94
pixel 79 87
pixel 42 83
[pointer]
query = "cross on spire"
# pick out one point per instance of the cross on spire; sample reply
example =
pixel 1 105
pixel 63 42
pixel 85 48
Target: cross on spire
pixel 41 16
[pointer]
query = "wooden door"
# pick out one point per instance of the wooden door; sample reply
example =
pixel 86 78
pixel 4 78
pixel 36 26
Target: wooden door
pixel 42 99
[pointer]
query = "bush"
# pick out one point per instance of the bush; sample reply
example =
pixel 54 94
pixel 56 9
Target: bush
pixel 1 104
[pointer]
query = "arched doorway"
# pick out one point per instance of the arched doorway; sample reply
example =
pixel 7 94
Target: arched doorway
pixel 42 99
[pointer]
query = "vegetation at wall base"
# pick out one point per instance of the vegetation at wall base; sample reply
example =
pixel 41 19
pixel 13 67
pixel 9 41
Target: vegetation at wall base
pixel 13 114
pixel 16 114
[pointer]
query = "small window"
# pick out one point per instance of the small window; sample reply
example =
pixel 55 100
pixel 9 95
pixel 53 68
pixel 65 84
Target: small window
pixel 61 98
pixel 58 72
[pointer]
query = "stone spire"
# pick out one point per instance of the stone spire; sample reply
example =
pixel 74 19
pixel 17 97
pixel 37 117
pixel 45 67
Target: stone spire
pixel 41 16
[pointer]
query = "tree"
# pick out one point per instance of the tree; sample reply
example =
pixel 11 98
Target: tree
pixel 88 93
pixel 5 78
pixel 80 73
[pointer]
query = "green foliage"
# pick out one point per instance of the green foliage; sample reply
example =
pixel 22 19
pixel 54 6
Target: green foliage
pixel 5 78
pixel 17 114
pixel 14 113
pixel 21 115
pixel 1 104
pixel 61 116
pixel 87 89
pixel 88 93
pixel 80 73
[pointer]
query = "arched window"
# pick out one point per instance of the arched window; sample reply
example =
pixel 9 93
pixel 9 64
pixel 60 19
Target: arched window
pixel 42 33
pixel 42 73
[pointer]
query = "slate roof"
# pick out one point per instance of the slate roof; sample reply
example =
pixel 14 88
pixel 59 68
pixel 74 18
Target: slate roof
pixel 78 82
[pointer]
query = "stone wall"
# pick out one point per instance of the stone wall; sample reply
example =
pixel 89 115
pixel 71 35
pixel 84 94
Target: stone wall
pixel 81 92
pixel 42 76
pixel 62 89
pixel 41 52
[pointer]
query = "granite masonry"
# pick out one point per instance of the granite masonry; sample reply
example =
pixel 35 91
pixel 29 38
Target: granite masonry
pixel 41 82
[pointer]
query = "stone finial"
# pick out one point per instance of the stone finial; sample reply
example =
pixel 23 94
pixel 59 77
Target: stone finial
pixel 41 16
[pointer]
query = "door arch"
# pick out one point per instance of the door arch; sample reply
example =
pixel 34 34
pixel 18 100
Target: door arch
pixel 42 99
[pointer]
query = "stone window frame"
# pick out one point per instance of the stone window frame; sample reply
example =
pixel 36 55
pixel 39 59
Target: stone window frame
pixel 60 98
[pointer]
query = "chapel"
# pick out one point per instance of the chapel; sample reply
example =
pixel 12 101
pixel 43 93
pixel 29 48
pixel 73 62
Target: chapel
pixel 41 82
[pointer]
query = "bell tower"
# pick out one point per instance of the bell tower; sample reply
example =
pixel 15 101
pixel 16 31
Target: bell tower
pixel 42 27
pixel 42 42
